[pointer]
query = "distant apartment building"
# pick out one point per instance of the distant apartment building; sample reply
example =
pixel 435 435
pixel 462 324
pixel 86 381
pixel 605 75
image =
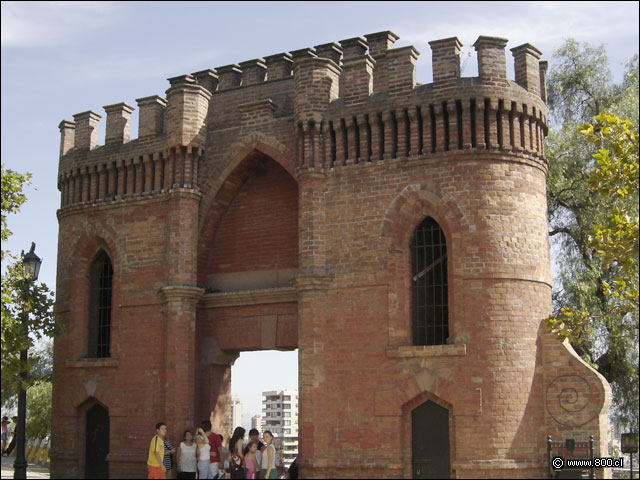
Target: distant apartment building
pixel 256 422
pixel 280 416
pixel 236 413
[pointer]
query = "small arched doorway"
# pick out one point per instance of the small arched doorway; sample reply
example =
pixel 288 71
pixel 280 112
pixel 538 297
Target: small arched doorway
pixel 96 442
pixel 430 441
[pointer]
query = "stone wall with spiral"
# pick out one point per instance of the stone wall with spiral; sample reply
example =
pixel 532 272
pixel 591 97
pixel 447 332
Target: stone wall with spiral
pixel 576 397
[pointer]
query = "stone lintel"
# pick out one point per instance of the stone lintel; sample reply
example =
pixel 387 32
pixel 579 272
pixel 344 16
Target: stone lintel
pixel 249 297
pixel 427 351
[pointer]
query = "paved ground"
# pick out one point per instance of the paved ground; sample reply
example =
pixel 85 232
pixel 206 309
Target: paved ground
pixel 33 471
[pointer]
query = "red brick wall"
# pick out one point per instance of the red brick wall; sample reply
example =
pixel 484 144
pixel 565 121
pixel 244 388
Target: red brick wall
pixel 136 400
pixel 259 230
pixel 285 178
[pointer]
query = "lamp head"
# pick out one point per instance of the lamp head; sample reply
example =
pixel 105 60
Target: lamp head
pixel 32 262
pixel 629 442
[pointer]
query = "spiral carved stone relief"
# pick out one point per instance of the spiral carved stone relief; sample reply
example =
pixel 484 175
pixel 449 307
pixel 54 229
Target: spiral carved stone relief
pixel 571 400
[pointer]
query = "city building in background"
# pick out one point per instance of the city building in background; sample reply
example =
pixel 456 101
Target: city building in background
pixel 256 422
pixel 236 413
pixel 280 416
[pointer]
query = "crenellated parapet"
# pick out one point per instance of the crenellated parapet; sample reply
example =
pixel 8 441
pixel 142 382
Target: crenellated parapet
pixel 118 119
pixel 151 116
pixel 452 114
pixel 136 176
pixel 165 156
pixel 351 102
pixel 316 81
pixel 380 44
pixel 187 107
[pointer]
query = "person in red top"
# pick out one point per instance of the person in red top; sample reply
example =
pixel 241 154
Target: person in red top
pixel 215 455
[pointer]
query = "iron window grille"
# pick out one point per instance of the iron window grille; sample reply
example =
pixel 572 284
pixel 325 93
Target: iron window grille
pixel 100 307
pixel 430 315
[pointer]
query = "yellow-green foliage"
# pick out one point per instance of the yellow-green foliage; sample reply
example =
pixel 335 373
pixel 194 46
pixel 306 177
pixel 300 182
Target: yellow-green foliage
pixel 614 240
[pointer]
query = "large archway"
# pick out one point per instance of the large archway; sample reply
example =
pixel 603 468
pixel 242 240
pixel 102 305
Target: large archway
pixel 248 253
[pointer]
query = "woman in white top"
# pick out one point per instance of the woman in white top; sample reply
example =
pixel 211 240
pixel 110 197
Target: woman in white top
pixel 269 457
pixel 186 456
pixel 202 441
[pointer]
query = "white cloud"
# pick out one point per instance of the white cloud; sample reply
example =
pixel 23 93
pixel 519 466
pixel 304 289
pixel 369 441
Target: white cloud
pixel 78 68
pixel 544 24
pixel 42 24
pixel 149 65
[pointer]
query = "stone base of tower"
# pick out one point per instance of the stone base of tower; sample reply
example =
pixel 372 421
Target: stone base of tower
pixel 567 400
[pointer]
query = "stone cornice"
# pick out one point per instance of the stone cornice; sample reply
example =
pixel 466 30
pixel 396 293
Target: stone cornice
pixel 136 199
pixel 312 282
pixel 309 174
pixel 181 292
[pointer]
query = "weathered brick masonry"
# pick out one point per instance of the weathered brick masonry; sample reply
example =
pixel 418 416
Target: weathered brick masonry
pixel 271 205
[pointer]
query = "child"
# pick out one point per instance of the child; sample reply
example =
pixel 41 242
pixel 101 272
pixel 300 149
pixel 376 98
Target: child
pixel 251 462
pixel 5 433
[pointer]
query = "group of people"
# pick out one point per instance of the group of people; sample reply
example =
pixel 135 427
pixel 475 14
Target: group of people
pixel 201 454
pixel 8 429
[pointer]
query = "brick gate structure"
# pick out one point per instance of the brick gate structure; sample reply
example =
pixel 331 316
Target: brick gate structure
pixel 293 202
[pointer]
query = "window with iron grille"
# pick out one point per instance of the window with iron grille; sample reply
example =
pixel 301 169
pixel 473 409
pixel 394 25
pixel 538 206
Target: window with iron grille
pixel 101 284
pixel 430 315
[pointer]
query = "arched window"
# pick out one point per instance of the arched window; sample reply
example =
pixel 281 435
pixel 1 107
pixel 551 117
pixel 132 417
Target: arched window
pixel 430 314
pixel 101 285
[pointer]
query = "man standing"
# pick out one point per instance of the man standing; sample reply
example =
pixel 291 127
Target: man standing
pixel 155 464
pixel 14 431
pixel 169 450
pixel 215 455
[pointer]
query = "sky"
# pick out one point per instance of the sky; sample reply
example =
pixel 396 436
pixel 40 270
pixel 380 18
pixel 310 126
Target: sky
pixel 62 58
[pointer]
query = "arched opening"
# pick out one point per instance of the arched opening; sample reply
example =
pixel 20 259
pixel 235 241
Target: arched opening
pixel 248 253
pixel 430 441
pixel 96 442
pixel 250 239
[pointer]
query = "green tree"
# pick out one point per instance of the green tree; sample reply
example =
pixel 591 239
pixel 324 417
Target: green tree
pixel 583 200
pixel 12 198
pixel 38 423
pixel 40 370
pixel 614 179
pixel 24 304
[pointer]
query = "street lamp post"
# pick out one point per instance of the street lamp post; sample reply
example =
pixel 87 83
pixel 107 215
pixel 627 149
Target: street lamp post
pixel 32 263
pixel 629 444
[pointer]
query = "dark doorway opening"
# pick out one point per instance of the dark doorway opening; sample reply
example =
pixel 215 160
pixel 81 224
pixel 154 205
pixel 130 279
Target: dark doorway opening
pixel 430 441
pixel 97 442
